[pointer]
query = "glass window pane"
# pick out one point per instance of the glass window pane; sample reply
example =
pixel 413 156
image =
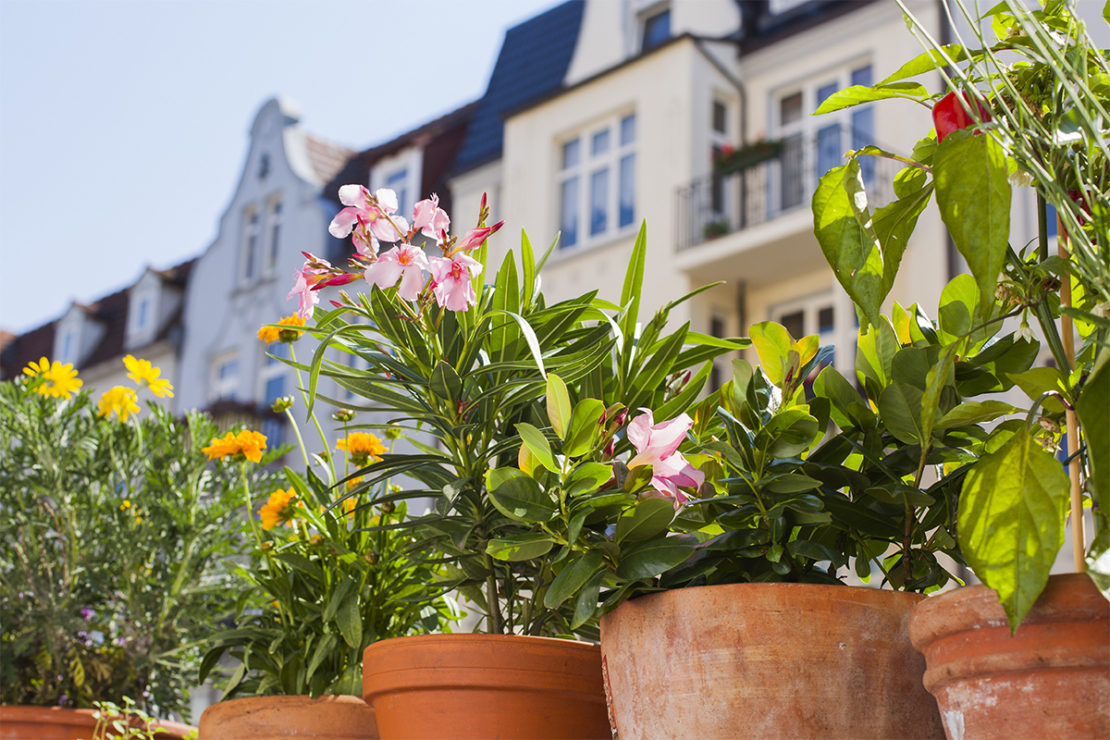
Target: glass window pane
pixel 862 76
pixel 657 29
pixel 600 143
pixel 790 109
pixel 628 190
pixel 1050 213
pixel 229 369
pixel 863 134
pixel 795 323
pixel 570 154
pixel 825 91
pixel 397 182
pixel 628 130
pixel 792 185
pixel 279 349
pixel 275 389
pixel 829 151
pixel 568 213
pixel 825 320
pixel 720 117
pixel 599 201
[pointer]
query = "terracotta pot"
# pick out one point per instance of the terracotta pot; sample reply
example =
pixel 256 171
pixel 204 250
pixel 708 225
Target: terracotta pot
pixel 274 717
pixel 1050 680
pixel 485 686
pixel 56 723
pixel 766 660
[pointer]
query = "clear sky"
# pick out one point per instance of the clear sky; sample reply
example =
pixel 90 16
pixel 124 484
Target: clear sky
pixel 123 124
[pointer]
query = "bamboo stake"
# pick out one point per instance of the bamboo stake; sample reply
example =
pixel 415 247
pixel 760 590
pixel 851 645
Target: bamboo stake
pixel 1067 334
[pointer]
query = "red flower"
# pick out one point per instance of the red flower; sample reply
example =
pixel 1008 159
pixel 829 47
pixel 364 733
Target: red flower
pixel 949 115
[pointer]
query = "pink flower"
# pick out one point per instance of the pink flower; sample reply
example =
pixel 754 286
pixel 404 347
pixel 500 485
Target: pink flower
pixel 475 237
pixel 432 220
pixel 452 285
pixel 657 445
pixel 365 243
pixel 314 270
pixel 405 262
pixel 368 211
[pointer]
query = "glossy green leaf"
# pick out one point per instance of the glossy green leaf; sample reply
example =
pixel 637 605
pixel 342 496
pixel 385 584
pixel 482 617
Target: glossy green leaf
pixel 587 478
pixel 583 430
pixel 349 621
pixel 791 483
pixel 652 558
pixel 558 405
pixel 585 606
pixel 772 343
pixel 521 546
pixel 974 412
pixel 516 495
pixel 572 578
pixel 894 225
pixel 927 62
pixel 1011 520
pixel 1093 409
pixel 816 551
pixel 857 94
pixel 973 194
pixel 900 409
pixel 645 520
pixel 446 383
pixel 338 596
pixel 538 445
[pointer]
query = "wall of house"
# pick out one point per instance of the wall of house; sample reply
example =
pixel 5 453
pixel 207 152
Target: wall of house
pixel 105 375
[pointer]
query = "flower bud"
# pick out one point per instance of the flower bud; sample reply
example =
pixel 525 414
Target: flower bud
pixel 393 432
pixel 389 507
pixel 372 557
pixel 283 403
pixel 266 546
pixel 343 415
pixel 315 540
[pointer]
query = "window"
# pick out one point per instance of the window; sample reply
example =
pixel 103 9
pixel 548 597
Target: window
pixel 68 345
pixel 398 183
pixel 144 314
pixel 719 137
pixel 598 186
pixel 250 243
pixel 810 315
pixel 273 230
pixel 273 373
pixel 225 377
pixel 657 29
pixel 720 117
pixel 716 329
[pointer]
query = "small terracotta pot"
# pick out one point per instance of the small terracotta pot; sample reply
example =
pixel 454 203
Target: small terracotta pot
pixel 1050 680
pixel 766 660
pixel 56 723
pixel 468 687
pixel 274 717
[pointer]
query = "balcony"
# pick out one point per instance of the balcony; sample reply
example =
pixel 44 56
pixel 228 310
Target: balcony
pixel 720 204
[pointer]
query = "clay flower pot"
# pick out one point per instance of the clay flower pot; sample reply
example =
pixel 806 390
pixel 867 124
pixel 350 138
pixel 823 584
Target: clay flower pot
pixel 273 717
pixel 485 686
pixel 56 723
pixel 1051 679
pixel 766 660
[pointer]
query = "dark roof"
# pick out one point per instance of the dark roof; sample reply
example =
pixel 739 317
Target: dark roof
pixel 533 61
pixel 760 28
pixel 110 311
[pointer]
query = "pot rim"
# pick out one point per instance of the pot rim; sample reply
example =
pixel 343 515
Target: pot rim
pixel 73 717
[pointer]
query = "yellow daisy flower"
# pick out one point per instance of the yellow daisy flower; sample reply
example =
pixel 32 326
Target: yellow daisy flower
pixel 142 372
pixel 280 508
pixel 247 443
pixel 362 447
pixel 270 334
pixel 119 399
pixel 60 381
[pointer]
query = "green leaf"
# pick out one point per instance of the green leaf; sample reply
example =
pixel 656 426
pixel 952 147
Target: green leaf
pixel 645 520
pixel 634 283
pixel 927 62
pixel 1011 520
pixel 939 376
pixel 900 409
pixel 446 383
pixel 792 483
pixel 857 94
pixel 586 604
pixel 894 225
pixel 558 405
pixel 516 495
pixel 652 558
pixel 538 445
pixel 587 478
pixel 521 546
pixel 816 551
pixel 338 596
pixel 788 433
pixel 349 620
pixel 974 412
pixel 772 342
pixel 1093 409
pixel 323 649
pixel 572 578
pixel 583 429
pixel 844 230
pixel 973 194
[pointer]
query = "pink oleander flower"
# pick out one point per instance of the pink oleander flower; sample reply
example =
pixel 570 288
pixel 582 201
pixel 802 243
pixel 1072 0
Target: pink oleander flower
pixel 432 220
pixel 657 445
pixel 375 212
pixel 365 243
pixel 475 237
pixel 404 261
pixel 314 270
pixel 451 281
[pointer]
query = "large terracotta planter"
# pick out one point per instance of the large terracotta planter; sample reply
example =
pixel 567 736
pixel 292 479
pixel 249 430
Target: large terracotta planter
pixel 467 686
pixel 56 723
pixel 1050 680
pixel 766 660
pixel 274 717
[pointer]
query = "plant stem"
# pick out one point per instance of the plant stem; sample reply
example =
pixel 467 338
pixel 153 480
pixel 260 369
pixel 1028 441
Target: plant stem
pixel 300 439
pixel 1068 337
pixel 492 607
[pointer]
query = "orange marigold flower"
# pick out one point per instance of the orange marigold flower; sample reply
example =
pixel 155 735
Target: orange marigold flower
pixel 270 334
pixel 280 508
pixel 362 447
pixel 246 443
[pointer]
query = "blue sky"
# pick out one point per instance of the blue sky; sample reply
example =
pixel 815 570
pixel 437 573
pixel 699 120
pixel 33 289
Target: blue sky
pixel 123 124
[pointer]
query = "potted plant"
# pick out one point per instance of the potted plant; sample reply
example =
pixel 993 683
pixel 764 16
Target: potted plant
pixel 464 365
pixel 321 585
pixel 113 537
pixel 731 160
pixel 1036 121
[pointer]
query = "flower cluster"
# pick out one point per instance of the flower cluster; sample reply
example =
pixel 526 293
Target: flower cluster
pixel 657 445
pixel 246 443
pixel 362 447
pixel 123 401
pixel 372 218
pixel 57 380
pixel 271 334
pixel 282 507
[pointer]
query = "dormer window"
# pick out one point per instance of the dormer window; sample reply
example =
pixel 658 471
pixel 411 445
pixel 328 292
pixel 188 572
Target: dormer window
pixel 397 182
pixel 144 314
pixel 69 344
pixel 657 29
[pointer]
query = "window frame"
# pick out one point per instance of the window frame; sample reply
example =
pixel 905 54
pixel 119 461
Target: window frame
pixel 275 219
pixel 250 244
pixel 586 169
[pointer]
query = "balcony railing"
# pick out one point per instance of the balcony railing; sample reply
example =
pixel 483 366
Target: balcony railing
pixel 716 205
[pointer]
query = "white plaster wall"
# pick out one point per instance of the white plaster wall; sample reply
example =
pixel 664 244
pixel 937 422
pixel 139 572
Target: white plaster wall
pixel 466 197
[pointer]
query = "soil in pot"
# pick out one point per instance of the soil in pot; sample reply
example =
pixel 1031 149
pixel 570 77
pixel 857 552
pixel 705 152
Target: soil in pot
pixel 471 687
pixel 765 661
pixel 56 723
pixel 275 717
pixel 1051 679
